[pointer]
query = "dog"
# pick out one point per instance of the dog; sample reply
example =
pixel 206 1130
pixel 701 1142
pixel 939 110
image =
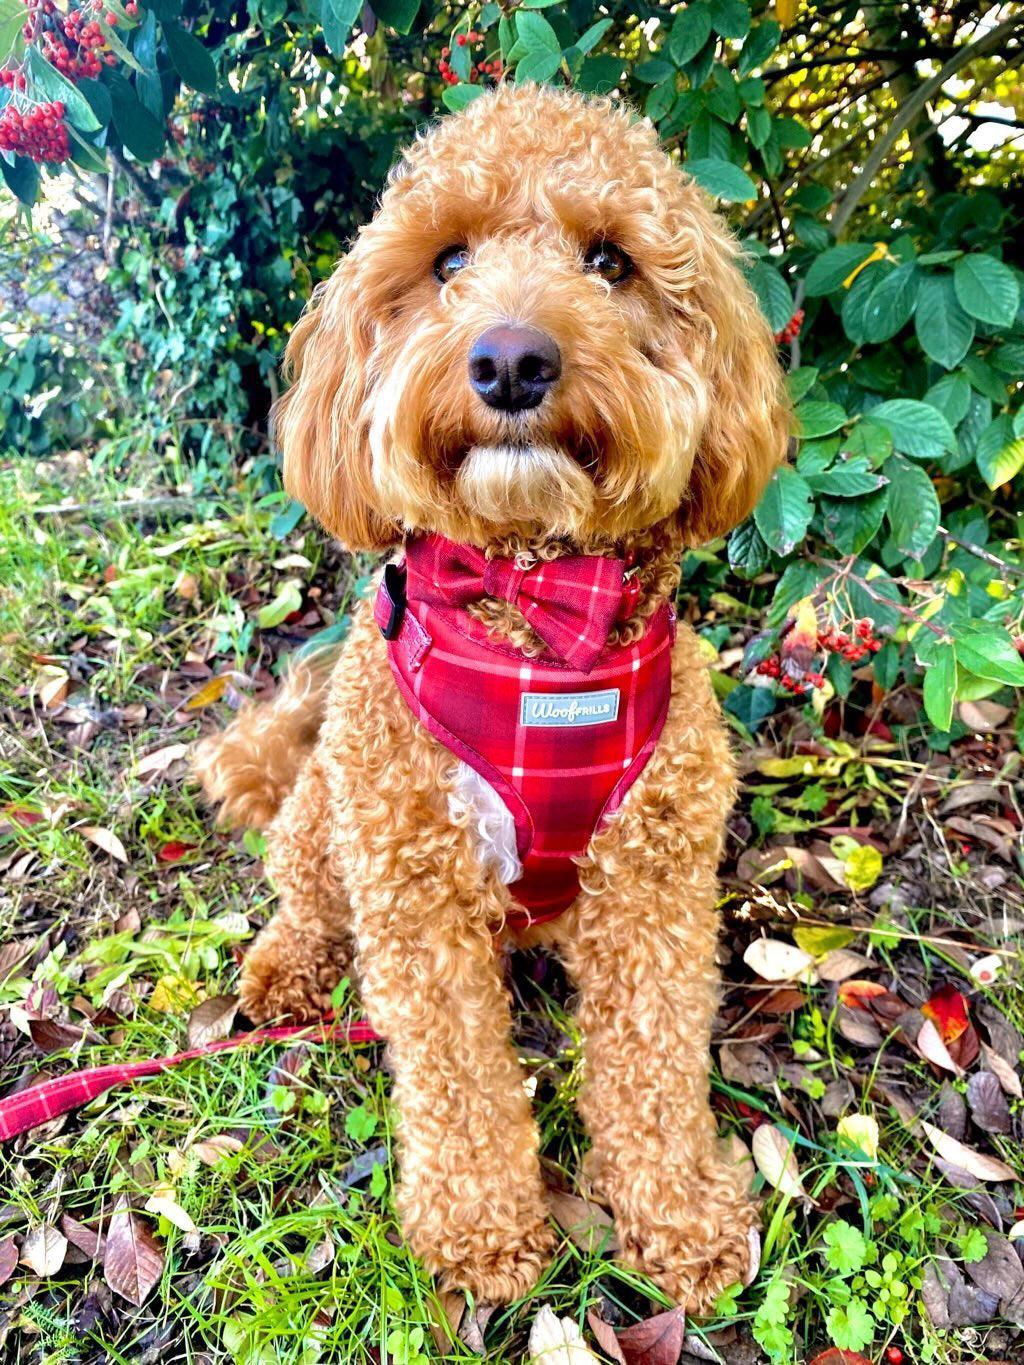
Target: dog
pixel 537 376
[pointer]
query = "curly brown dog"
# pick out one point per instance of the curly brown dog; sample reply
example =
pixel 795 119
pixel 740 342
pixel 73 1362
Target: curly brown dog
pixel 541 348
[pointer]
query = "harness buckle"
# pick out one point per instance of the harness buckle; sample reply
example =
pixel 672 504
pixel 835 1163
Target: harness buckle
pixel 393 585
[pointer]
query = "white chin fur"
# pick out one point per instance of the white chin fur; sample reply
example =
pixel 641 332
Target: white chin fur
pixel 524 484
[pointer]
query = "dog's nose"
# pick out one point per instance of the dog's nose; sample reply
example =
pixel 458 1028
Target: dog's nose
pixel 512 367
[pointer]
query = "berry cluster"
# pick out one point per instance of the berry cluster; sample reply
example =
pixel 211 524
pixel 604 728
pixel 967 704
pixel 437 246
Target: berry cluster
pixel 477 69
pixel 76 46
pixel 791 330
pixel 863 642
pixel 773 668
pixel 39 133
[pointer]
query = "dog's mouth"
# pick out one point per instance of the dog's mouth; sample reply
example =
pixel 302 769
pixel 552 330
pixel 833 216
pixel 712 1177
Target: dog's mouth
pixel 522 484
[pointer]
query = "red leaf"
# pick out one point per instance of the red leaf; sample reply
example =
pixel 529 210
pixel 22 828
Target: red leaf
pixel 21 815
pixel 656 1341
pixel 835 1356
pixel 133 1259
pixel 173 852
pixel 947 1009
pixel 8 1258
pixel 857 993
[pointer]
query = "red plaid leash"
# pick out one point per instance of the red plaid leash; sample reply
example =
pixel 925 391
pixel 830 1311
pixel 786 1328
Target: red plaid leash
pixel 571 603
pixel 46 1100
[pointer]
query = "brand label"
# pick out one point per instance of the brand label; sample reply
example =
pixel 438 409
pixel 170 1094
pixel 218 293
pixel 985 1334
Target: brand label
pixel 569 708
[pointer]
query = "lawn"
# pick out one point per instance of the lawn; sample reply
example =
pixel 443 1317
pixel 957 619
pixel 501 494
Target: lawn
pixel 868 1049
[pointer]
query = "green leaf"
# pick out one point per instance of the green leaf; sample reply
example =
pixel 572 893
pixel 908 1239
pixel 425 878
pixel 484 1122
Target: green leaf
pixel 747 551
pixel 819 419
pixel 400 14
pixel 943 328
pixel 998 455
pixel 784 511
pixel 661 99
pixel 952 396
pixel 891 303
pixel 691 28
pixel 759 126
pixel 987 289
pixel 772 294
pixel 799 580
pixel 730 18
pixel 800 381
pixel 536 34
pixel 832 267
pixel 1009 358
pixel 21 178
pixel 135 126
pixel 722 179
pixel 190 58
pixel 337 18
pixel 851 524
pixel 653 72
pixel 762 40
pixel 456 97
pixel 538 66
pixel 593 35
pixel 47 80
pixel 360 1124
pixel 916 428
pixel 869 439
pixel 600 75
pixel 288 599
pixel 940 686
pixel 848 479
pixel 851 1328
pixel 986 650
pixel 913 509
pixel 846 1246
pixel 709 137
pixel 12 18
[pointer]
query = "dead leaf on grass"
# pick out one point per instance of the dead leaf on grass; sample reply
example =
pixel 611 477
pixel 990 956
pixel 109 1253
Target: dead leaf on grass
pixel 557 1341
pixel 160 759
pixel 134 1260
pixel 8 1258
pixel 656 1341
pixel 212 1151
pixel 979 1165
pixel 1003 1072
pixel 105 839
pixel 933 1049
pixel 590 1227
pixel 163 1203
pixel 999 1272
pixel 773 959
pixel 775 1159
pixel 212 1020
pixel 86 1239
pixel 989 1109
pixel 208 693
pixel 840 964
pixel 43 1250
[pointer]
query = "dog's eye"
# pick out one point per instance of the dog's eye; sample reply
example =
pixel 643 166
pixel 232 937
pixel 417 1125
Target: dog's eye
pixel 609 261
pixel 450 261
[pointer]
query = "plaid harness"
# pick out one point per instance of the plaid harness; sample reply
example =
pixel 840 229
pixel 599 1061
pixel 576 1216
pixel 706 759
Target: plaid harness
pixel 560 738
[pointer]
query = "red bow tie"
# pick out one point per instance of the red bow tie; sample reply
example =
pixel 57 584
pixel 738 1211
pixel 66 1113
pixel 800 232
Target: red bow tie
pixel 571 603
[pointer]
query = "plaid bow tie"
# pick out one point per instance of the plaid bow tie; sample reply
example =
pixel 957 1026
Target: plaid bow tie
pixel 571 603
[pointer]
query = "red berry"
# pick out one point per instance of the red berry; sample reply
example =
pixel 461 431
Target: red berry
pixel 460 38
pixel 894 1356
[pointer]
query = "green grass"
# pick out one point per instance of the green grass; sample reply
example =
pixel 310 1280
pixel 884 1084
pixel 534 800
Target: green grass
pixel 298 1255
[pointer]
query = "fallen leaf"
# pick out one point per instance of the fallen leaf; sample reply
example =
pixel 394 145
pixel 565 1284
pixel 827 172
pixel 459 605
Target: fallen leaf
pixel 43 1250
pixel 8 1259
pixel 557 1341
pixel 173 994
pixel 931 1046
pixel 982 716
pixel 209 692
pixel 862 1131
pixel 857 993
pixel 173 851
pixel 212 1020
pixel 287 601
pixel 589 1226
pixel 656 1341
pixel 163 1203
pixel 979 1165
pixel 133 1260
pixel 857 1026
pixel 212 1151
pixel 999 1272
pixel 1003 1071
pixel 754 1263
pixel 989 1109
pixel 160 759
pixel 1017 1231
pixel 819 940
pixel 774 960
pixel 105 839
pixel 841 964
pixel 747 1064
pixel 947 1009
pixel 775 1159
pixel 52 684
pixel 835 1356
pixel 85 1238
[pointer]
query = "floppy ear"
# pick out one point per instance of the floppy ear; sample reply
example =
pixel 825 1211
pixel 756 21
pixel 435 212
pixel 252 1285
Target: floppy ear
pixel 745 436
pixel 322 422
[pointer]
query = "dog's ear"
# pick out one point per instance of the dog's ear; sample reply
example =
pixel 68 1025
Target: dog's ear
pixel 322 423
pixel 745 436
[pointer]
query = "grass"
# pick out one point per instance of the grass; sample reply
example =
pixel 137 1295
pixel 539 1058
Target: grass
pixel 280 1161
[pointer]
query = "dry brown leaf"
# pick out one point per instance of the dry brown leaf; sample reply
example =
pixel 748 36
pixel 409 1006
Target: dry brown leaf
pixel 160 759
pixel 589 1226
pixel 80 1235
pixel 52 685
pixel 43 1250
pixel 163 1203
pixel 1003 1072
pixel 775 1159
pixel 134 1260
pixel 211 1151
pixel 212 1020
pixel 656 1341
pixel 775 960
pixel 842 963
pixel 105 839
pixel 557 1341
pixel 8 1259
pixel 979 1165
pixel 931 1046
pixel 989 1109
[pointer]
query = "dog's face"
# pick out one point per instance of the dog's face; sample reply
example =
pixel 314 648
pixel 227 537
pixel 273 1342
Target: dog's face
pixel 542 331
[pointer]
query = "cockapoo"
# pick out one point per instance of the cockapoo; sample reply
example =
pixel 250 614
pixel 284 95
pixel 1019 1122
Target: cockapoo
pixel 537 376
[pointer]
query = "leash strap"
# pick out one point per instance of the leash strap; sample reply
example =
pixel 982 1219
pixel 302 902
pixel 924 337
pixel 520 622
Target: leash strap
pixel 46 1100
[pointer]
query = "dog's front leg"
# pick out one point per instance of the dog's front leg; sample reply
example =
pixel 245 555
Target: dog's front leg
pixel 470 1194
pixel 647 984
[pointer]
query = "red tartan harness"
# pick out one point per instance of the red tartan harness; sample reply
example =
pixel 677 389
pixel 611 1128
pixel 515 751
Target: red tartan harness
pixel 560 738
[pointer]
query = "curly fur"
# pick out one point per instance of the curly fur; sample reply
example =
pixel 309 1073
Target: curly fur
pixel 665 425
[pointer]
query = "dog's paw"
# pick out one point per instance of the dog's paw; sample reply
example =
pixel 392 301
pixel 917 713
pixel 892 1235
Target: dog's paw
pixel 497 1276
pixel 280 981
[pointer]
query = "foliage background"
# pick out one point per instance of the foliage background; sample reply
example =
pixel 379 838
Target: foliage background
pixel 869 157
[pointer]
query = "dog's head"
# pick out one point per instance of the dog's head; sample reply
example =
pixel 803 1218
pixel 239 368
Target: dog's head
pixel 542 331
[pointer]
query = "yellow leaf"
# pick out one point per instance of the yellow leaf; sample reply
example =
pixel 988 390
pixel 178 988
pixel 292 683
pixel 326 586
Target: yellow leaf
pixel 879 254
pixel 209 692
pixel 162 1202
pixel 104 839
pixel 786 11
pixel 774 1158
pixel 172 994
pixel 862 1131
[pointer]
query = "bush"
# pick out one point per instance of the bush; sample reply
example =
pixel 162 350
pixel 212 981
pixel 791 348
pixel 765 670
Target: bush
pixel 243 143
